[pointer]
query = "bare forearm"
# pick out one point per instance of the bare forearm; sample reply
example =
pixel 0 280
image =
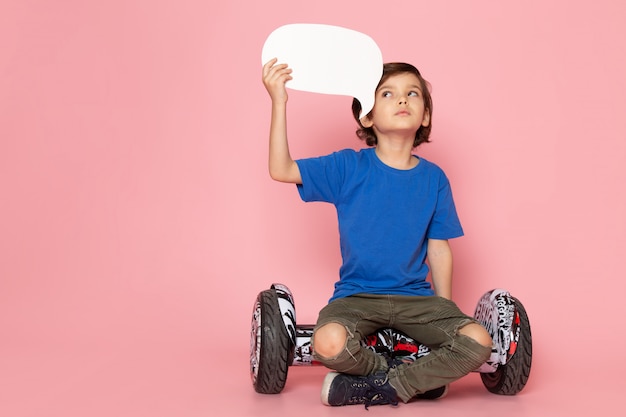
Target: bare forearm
pixel 440 260
pixel 282 167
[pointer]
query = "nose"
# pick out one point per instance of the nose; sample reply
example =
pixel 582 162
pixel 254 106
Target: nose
pixel 402 100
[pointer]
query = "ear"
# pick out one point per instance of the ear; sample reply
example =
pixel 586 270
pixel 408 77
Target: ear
pixel 366 121
pixel 426 118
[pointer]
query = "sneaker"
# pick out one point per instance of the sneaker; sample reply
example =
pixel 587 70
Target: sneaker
pixel 433 394
pixel 342 389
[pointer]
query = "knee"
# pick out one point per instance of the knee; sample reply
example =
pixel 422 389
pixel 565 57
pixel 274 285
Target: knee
pixel 330 340
pixel 478 333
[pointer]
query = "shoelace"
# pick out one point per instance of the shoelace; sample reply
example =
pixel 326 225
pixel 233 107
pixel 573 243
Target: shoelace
pixel 370 394
pixel 379 399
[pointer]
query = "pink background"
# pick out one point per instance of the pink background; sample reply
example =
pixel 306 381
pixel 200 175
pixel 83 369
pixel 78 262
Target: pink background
pixel 138 221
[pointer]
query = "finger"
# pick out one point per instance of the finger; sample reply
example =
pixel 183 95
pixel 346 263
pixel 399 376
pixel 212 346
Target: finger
pixel 268 65
pixel 272 67
pixel 278 73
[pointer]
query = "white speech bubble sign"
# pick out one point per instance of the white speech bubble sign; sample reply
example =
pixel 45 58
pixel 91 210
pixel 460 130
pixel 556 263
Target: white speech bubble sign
pixel 328 59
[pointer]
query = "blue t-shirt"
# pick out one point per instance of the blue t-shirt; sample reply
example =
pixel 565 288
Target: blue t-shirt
pixel 385 216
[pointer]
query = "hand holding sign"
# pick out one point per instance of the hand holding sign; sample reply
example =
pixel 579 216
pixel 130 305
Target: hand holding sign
pixel 328 59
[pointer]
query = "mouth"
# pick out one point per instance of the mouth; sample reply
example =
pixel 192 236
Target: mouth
pixel 403 113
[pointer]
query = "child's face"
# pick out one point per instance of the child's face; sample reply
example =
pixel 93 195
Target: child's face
pixel 399 107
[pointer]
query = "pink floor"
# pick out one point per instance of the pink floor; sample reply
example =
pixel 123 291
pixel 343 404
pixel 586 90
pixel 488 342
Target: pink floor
pixel 170 375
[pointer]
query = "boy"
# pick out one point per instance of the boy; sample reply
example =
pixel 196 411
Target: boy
pixel 395 211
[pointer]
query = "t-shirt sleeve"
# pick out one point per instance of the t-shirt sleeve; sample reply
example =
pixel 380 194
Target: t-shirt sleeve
pixel 445 223
pixel 321 177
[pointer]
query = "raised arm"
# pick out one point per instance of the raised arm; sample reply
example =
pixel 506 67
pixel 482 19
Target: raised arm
pixel 281 166
pixel 440 261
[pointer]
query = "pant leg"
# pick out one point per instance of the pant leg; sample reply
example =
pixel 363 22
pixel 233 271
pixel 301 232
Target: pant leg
pixel 361 315
pixel 434 321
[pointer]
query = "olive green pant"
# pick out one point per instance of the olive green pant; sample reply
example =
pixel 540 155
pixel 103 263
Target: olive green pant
pixel 433 321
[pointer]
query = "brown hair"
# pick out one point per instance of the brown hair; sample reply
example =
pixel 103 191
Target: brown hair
pixel 389 69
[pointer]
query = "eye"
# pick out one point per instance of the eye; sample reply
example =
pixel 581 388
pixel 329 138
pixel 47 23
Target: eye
pixel 385 94
pixel 414 94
